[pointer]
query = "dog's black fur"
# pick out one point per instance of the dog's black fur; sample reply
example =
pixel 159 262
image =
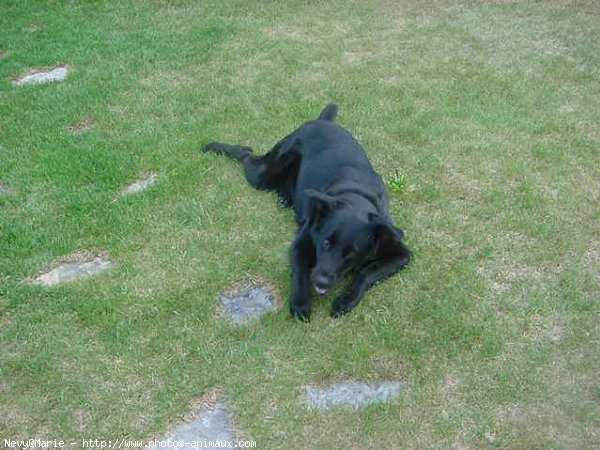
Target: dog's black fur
pixel 341 206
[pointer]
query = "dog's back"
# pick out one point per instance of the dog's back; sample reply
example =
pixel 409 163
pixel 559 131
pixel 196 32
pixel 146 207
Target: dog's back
pixel 333 161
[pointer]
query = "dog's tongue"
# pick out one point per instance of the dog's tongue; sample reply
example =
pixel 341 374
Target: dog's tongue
pixel 320 291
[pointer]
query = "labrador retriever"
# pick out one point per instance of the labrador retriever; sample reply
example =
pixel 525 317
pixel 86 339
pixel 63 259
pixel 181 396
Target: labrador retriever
pixel 341 208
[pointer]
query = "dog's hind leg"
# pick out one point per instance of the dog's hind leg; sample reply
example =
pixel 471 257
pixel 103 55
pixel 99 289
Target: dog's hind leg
pixel 254 165
pixel 237 152
pixel 267 172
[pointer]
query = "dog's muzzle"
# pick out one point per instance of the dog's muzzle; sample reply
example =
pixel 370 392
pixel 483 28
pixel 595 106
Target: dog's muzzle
pixel 321 291
pixel 322 283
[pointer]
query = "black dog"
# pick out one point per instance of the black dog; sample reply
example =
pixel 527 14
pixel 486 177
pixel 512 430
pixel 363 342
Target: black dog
pixel 341 207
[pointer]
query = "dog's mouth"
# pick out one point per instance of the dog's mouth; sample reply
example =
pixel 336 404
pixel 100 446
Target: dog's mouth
pixel 321 290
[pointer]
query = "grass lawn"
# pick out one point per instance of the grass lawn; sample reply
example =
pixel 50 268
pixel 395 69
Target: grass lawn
pixel 484 117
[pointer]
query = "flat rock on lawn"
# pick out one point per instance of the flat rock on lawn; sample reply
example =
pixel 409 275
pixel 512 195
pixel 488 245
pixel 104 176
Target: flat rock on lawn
pixel 79 265
pixel 37 76
pixel 248 303
pixel 4 188
pixel 351 393
pixel 144 182
pixel 212 424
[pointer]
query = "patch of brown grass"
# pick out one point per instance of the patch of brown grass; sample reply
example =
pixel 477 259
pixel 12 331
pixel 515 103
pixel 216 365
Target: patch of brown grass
pixel 86 123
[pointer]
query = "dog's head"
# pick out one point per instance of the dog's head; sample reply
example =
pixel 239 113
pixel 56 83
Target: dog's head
pixel 344 239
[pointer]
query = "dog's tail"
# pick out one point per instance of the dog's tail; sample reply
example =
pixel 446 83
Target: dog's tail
pixel 329 112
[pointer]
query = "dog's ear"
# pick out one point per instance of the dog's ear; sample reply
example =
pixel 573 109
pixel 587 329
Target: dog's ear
pixel 380 228
pixel 384 237
pixel 319 204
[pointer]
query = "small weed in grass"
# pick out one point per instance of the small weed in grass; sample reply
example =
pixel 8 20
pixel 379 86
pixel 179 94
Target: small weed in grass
pixel 397 183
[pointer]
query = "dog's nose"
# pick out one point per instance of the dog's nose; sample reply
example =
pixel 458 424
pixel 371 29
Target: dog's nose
pixel 322 282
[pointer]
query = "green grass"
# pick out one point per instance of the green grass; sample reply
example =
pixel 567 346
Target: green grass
pixel 490 112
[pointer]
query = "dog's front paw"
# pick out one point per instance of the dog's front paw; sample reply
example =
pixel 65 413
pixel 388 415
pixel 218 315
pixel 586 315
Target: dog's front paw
pixel 343 304
pixel 301 312
pixel 284 201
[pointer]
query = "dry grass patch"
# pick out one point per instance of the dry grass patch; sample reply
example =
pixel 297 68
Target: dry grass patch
pixel 86 123
pixel 310 31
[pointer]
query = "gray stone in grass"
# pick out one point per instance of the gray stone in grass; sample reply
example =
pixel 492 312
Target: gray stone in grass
pixel 248 303
pixel 214 424
pixel 143 183
pixel 77 266
pixel 4 188
pixel 351 393
pixel 38 76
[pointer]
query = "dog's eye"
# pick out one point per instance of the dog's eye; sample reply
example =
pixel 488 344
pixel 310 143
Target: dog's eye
pixel 348 252
pixel 326 244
